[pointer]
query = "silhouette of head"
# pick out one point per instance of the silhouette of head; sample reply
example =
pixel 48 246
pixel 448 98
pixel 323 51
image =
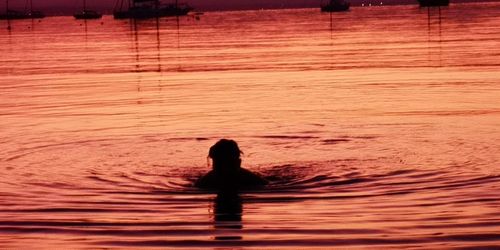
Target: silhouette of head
pixel 225 156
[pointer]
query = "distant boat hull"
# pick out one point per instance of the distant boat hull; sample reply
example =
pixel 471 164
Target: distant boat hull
pixel 335 7
pixel 12 15
pixel 88 14
pixel 143 13
pixel 430 3
pixel 36 15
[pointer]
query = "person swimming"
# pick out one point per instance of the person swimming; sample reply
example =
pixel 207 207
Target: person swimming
pixel 227 173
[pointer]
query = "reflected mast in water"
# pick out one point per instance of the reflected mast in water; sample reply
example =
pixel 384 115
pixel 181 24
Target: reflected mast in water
pixel 147 34
pixel 135 41
pixel 141 63
pixel 135 26
pixel 431 22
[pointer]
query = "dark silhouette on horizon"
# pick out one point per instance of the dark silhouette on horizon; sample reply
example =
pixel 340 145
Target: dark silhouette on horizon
pixel 64 7
pixel 335 6
pixel 430 3
pixel 86 13
pixel 143 9
pixel 227 173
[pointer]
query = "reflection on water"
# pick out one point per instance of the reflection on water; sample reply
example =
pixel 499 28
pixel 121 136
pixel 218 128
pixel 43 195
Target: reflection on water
pixel 227 213
pixel 376 128
pixel 434 19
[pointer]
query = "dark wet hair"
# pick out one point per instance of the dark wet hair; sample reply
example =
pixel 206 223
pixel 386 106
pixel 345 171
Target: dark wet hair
pixel 224 149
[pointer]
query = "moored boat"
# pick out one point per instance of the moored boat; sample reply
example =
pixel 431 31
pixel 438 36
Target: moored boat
pixel 36 14
pixel 141 9
pixel 87 14
pixel 336 6
pixel 430 3
pixel 12 14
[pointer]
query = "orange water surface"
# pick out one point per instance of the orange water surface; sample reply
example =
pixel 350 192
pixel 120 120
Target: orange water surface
pixel 377 128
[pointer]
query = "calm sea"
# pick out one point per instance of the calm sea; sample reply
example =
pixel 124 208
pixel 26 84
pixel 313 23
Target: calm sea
pixel 378 128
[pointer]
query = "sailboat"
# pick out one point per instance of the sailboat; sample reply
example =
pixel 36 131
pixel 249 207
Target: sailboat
pixel 141 9
pixel 13 14
pixel 430 3
pixel 336 6
pixel 87 14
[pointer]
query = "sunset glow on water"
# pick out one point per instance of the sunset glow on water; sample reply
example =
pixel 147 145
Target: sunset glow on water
pixel 377 127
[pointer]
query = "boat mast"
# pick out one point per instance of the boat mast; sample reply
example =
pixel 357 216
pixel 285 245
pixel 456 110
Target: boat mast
pixel 28 6
pixel 120 2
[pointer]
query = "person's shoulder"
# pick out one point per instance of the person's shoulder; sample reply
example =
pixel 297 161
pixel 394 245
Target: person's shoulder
pixel 206 181
pixel 250 178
